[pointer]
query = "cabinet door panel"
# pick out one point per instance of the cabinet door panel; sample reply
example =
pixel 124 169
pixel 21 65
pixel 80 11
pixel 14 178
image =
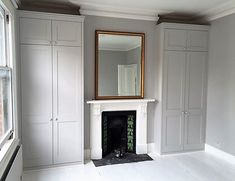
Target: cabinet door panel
pixel 174 80
pixel 68 103
pixel 37 141
pixel 195 100
pixel 198 40
pixel 175 39
pixel 67 33
pixel 36 79
pixel 194 132
pixel 36 87
pixel 35 31
pixel 173 128
pixel 173 100
pixel 68 145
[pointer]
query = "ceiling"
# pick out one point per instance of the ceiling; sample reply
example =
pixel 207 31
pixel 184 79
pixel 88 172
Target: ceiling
pixel 148 9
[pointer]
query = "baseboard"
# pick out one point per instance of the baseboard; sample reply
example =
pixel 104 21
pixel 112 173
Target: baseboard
pixel 141 148
pixel 219 153
pixel 151 148
pixel 87 154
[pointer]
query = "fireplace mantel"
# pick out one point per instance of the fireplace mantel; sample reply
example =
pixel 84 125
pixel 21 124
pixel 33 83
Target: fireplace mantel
pixel 121 101
pixel 96 109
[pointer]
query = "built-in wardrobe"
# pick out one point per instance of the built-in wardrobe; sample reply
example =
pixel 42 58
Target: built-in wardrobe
pixel 51 51
pixel 182 57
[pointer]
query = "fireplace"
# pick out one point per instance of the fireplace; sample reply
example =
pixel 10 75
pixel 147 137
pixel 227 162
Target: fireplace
pixel 118 132
pixel 98 107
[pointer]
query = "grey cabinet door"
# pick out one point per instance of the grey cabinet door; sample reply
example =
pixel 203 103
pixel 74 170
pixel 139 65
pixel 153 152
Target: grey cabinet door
pixel 197 40
pixel 173 101
pixel 35 31
pixel 195 100
pixel 67 103
pixel 36 90
pixel 67 33
pixel 175 39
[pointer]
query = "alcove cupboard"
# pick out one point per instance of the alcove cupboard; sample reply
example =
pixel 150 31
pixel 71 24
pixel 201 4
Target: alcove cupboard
pixel 182 51
pixel 51 50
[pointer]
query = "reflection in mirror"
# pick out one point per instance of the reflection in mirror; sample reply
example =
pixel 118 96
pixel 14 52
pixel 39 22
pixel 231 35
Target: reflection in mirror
pixel 119 63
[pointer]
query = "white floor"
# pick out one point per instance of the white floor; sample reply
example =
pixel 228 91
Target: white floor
pixel 197 166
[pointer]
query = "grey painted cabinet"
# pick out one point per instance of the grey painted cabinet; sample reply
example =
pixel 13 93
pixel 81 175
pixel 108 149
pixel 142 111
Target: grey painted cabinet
pixel 36 95
pixel 173 100
pixel 67 33
pixel 67 101
pixel 183 87
pixel 195 100
pixel 51 89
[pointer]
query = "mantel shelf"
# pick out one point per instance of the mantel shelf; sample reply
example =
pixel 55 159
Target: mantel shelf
pixel 121 101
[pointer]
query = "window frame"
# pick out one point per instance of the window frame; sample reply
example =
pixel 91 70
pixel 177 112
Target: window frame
pixel 8 65
pixel 3 13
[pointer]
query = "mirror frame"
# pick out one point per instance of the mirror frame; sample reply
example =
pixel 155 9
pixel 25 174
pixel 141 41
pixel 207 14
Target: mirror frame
pixel 142 35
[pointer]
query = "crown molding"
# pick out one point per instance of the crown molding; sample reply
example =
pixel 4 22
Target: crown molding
pixel 118 12
pixel 150 14
pixel 219 11
pixel 118 15
pixel 15 3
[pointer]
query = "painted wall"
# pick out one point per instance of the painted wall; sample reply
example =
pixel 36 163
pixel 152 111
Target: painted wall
pixel 93 23
pixel 221 85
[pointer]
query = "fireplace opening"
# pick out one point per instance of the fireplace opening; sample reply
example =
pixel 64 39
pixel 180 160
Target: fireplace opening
pixel 118 132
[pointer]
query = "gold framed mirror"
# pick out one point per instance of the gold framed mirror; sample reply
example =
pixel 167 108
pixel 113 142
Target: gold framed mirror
pixel 119 65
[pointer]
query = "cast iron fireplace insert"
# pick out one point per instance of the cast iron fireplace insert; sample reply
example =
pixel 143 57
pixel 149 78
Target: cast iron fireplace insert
pixel 118 132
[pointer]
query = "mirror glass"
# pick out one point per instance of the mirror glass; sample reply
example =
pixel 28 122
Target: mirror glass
pixel 119 65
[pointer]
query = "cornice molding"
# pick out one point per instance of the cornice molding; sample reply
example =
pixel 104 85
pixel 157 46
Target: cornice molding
pixel 15 3
pixel 118 15
pixel 150 14
pixel 118 12
pixel 219 11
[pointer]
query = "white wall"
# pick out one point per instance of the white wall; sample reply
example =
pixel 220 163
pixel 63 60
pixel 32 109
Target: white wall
pixel 93 23
pixel 221 85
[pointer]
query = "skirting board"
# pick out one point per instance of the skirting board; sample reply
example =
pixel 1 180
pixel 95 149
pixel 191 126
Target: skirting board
pixel 87 152
pixel 151 147
pixel 220 154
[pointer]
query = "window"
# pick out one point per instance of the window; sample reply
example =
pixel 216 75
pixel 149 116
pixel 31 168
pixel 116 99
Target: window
pixel 6 110
pixel 2 36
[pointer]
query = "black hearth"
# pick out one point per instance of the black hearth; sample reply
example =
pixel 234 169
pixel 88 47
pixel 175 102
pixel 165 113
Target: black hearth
pixel 118 132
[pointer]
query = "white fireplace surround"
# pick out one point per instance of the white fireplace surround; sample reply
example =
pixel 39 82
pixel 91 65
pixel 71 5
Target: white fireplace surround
pixel 96 109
